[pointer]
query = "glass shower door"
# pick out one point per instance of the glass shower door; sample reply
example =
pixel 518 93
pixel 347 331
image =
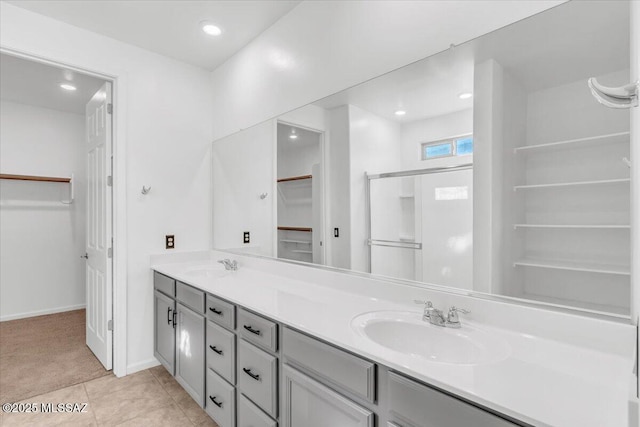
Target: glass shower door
pixel 395 227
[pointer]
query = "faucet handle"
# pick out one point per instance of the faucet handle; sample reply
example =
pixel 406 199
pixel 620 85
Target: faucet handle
pixel 428 309
pixel 452 316
pixel 455 309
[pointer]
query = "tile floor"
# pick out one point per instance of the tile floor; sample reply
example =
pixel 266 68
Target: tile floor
pixel 146 398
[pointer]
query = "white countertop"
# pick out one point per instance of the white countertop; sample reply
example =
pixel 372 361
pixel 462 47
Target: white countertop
pixel 543 381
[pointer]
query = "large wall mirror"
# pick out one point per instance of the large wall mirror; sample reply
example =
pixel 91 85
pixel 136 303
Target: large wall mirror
pixel 489 167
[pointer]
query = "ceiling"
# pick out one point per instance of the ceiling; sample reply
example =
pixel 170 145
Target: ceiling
pixel 304 136
pixel 570 42
pixel 33 83
pixel 170 28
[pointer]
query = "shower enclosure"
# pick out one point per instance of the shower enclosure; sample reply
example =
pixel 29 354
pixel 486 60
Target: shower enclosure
pixel 420 225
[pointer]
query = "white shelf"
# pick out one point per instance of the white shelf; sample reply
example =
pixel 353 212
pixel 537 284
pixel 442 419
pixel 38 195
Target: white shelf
pixel 611 138
pixel 306 242
pixel 575 226
pixel 572 184
pixel 300 251
pixel 407 196
pixel 574 266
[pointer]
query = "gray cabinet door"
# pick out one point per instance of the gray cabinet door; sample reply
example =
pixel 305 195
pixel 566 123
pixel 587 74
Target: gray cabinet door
pixel 164 331
pixel 190 353
pixel 412 404
pixel 307 403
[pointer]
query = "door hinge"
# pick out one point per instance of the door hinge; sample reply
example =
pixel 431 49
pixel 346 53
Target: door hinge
pixel 110 180
pixel 110 252
pixel 110 108
pixel 110 325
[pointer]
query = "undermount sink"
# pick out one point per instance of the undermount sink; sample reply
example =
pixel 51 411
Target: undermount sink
pixel 206 271
pixel 405 332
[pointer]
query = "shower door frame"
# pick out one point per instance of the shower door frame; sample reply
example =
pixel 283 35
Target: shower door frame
pixel 399 174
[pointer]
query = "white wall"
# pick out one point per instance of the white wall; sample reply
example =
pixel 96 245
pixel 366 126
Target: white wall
pixel 41 239
pixel 374 146
pixel 323 47
pixel 242 170
pixel 166 134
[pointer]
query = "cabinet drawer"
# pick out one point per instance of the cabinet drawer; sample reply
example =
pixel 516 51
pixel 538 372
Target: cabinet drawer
pixel 221 351
pixel 257 376
pixel 164 284
pixel 221 312
pixel 412 404
pixel 258 330
pixel 336 366
pixel 191 297
pixel 221 400
pixel 249 415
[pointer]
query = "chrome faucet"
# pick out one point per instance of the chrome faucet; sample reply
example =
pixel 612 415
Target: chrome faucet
pixel 436 317
pixel 228 264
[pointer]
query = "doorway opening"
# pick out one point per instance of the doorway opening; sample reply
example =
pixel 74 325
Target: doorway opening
pixel 56 281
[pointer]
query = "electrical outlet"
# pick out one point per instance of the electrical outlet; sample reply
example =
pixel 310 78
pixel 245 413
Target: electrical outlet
pixel 246 237
pixel 336 232
pixel 169 241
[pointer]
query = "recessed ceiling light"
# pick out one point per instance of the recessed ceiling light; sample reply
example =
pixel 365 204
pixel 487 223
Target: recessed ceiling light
pixel 211 29
pixel 465 95
pixel 67 86
pixel 400 113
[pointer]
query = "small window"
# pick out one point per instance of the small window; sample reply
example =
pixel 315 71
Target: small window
pixel 462 146
pixel 438 149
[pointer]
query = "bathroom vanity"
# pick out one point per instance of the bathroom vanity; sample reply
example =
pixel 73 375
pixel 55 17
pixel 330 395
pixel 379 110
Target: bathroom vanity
pixel 256 347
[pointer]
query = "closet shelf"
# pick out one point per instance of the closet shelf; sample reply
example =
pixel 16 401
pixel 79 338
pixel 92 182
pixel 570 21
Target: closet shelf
pixel 572 184
pixel 34 178
pixel 300 251
pixel 295 178
pixel 587 267
pixel 611 138
pixel 303 242
pixel 575 226
pixel 304 229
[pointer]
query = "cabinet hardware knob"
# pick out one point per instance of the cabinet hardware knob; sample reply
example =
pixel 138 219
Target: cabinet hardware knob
pixel 253 331
pixel 213 399
pixel 251 374
pixel 213 347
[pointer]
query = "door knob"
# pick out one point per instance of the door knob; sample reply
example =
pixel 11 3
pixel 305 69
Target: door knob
pixel 85 256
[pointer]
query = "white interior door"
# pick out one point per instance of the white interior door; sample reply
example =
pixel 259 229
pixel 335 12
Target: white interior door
pixel 99 259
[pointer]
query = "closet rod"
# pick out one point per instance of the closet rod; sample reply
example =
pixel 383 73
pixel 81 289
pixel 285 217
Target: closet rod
pixel 34 178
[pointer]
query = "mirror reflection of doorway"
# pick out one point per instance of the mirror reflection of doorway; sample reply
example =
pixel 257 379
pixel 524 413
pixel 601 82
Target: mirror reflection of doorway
pixel 300 194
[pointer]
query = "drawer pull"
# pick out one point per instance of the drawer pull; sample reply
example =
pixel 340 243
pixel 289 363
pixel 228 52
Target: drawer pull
pixel 169 316
pixel 253 331
pixel 218 404
pixel 175 314
pixel 251 374
pixel 218 312
pixel 212 347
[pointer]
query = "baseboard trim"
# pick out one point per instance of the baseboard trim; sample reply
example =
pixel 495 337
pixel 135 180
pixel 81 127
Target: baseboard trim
pixel 41 312
pixel 141 366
